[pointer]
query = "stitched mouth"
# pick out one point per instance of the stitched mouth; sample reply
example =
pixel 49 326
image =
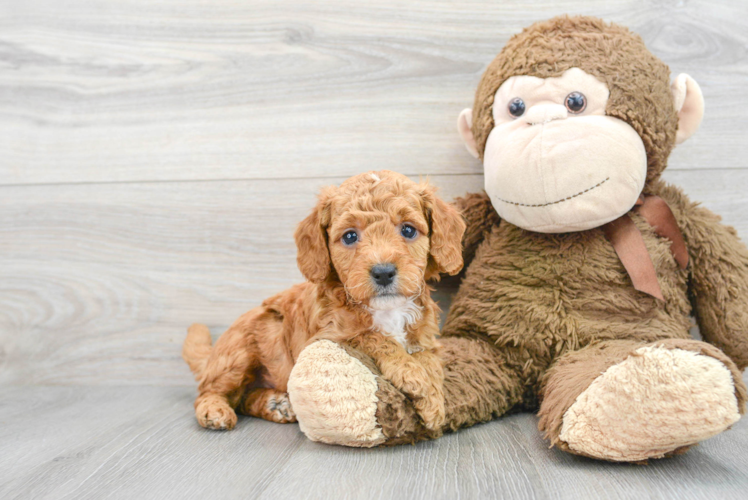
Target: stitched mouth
pixel 557 201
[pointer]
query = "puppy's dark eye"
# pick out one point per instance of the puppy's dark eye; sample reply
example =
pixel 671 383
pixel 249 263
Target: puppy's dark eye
pixel 576 102
pixel 408 232
pixel 516 107
pixel 349 238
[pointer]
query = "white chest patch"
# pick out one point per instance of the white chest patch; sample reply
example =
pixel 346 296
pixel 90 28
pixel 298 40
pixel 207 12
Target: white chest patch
pixel 393 314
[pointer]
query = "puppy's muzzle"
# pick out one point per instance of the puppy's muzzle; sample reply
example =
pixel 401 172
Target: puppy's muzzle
pixel 383 274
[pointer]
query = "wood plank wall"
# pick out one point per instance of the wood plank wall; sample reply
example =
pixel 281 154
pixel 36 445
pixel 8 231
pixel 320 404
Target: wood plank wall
pixel 155 155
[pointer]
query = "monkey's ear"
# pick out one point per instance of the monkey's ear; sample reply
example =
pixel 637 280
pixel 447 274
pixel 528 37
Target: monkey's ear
pixel 447 228
pixel 312 253
pixel 689 104
pixel 464 126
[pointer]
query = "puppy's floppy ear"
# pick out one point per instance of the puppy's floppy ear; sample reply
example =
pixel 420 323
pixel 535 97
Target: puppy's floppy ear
pixel 447 228
pixel 312 254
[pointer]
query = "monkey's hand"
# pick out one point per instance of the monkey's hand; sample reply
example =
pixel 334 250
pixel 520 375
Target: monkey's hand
pixel 719 276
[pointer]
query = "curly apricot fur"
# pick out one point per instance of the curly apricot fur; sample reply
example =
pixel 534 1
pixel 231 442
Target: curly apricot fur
pixel 247 370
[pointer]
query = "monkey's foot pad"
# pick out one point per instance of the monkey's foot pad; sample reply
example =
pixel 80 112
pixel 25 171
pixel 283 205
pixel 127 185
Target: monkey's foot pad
pixel 653 403
pixel 334 396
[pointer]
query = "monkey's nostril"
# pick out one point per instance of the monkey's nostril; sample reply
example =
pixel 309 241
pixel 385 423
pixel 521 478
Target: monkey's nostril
pixel 383 274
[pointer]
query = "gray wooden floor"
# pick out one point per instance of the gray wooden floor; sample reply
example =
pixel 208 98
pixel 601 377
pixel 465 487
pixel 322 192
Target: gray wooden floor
pixel 155 156
pixel 77 442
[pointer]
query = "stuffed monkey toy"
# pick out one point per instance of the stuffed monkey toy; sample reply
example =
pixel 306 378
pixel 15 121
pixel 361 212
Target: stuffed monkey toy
pixel 583 268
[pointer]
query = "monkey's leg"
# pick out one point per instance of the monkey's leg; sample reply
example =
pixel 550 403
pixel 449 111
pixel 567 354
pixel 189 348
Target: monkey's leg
pixel 626 401
pixel 340 397
pixel 270 404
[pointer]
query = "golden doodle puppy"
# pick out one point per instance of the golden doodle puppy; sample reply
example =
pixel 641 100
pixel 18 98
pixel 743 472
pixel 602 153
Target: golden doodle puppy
pixel 367 250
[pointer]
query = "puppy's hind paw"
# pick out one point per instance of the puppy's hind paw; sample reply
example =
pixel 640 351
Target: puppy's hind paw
pixel 215 413
pixel 279 409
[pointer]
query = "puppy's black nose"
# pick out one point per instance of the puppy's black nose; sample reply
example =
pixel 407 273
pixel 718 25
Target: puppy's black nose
pixel 383 274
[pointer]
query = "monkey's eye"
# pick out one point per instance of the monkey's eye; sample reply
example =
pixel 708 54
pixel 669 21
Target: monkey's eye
pixel 408 232
pixel 576 102
pixel 349 238
pixel 516 107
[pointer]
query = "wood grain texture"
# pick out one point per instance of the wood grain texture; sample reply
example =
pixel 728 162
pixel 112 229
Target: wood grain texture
pixel 99 282
pixel 155 157
pixel 134 90
pixel 142 442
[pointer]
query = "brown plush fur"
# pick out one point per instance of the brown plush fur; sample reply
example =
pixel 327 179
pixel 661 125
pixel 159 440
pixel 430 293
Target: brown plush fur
pixel 540 316
pixel 476 389
pixel 639 82
pixel 576 370
pixel 249 366
pixel 539 296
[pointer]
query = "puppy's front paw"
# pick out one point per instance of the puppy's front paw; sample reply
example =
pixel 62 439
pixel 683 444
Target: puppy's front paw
pixel 214 412
pixel 412 381
pixel 415 390
pixel 440 416
pixel 431 410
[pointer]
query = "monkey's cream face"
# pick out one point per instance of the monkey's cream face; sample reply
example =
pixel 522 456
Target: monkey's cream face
pixel 554 162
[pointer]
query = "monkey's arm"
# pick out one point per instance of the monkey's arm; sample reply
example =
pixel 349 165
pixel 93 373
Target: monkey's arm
pixel 719 275
pixel 480 217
